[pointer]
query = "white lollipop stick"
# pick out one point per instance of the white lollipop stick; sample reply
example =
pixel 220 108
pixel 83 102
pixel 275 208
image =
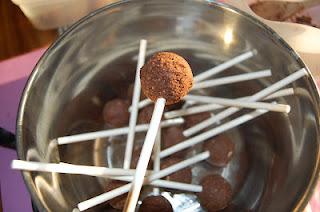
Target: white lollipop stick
pixel 259 95
pixel 210 133
pixel 70 169
pixel 232 79
pixel 142 104
pixel 134 110
pixel 221 67
pixel 212 107
pixel 165 184
pixel 124 189
pixel 176 185
pixel 281 93
pixel 145 155
pixel 286 92
pixel 240 103
pixel 156 158
pixel 113 132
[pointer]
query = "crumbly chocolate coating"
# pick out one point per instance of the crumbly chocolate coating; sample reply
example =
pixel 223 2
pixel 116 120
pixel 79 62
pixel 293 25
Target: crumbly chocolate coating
pixel 216 193
pixel 172 136
pixel 182 176
pixel 155 204
pixel 115 113
pixel 192 120
pixel 221 150
pixel 166 75
pixel 145 114
pixel 117 202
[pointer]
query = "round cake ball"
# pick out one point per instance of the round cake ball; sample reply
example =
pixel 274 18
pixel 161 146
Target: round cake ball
pixel 115 113
pixel 192 120
pixel 166 75
pixel 155 204
pixel 172 136
pixel 182 176
pixel 221 150
pixel 117 202
pixel 216 193
pixel 145 114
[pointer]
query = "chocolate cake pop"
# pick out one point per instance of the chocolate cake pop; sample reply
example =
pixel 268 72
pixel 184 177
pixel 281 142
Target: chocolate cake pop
pixel 166 75
pixel 115 113
pixel 145 114
pixel 172 136
pixel 166 78
pixel 216 193
pixel 221 150
pixel 182 176
pixel 155 204
pixel 192 120
pixel 117 202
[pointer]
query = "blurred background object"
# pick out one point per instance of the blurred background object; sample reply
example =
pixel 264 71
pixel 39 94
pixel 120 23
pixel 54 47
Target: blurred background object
pixel 302 12
pixel 18 36
pixel 45 14
pixel 35 23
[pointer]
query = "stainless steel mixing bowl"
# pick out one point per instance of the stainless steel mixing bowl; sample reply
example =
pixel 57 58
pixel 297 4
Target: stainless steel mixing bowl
pixel 277 158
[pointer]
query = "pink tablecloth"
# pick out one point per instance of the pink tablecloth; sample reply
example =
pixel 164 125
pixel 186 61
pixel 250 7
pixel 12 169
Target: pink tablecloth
pixel 14 73
pixel 13 76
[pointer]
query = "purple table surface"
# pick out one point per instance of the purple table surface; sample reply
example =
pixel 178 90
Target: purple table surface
pixel 14 73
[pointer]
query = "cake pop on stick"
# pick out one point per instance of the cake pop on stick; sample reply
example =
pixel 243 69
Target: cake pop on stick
pixel 217 82
pixel 211 72
pixel 165 79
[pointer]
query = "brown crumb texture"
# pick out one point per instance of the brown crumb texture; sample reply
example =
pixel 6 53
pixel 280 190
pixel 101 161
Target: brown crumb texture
pixel 182 176
pixel 155 204
pixel 166 75
pixel 172 136
pixel 115 113
pixel 117 202
pixel 221 150
pixel 216 194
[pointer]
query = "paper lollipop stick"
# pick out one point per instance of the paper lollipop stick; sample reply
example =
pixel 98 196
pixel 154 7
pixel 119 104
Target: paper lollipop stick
pixel 134 110
pixel 165 79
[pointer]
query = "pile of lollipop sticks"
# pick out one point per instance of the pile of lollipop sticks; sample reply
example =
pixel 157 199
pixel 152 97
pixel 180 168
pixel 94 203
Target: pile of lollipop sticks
pixel 193 104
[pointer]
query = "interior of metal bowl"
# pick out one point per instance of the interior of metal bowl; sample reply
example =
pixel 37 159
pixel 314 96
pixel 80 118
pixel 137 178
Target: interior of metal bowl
pixel 276 159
